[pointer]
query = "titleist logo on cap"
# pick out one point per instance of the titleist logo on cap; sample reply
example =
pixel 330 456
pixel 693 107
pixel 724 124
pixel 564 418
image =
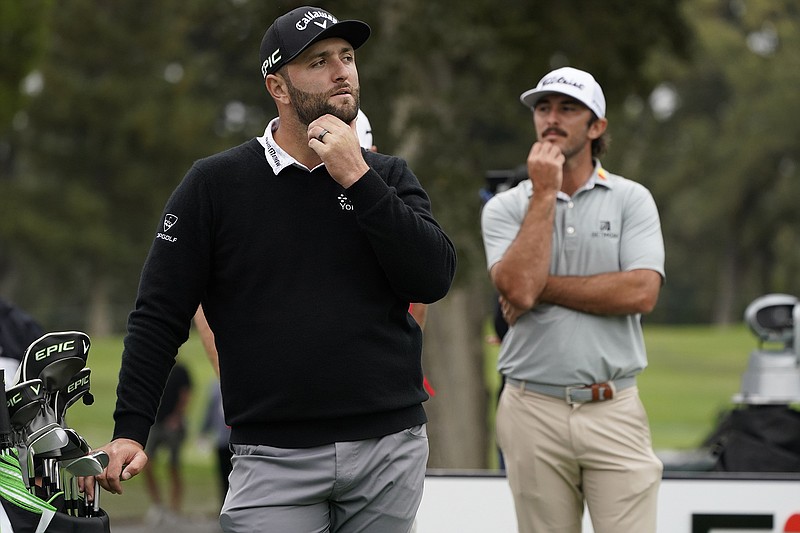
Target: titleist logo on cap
pixel 572 82
pixel 562 81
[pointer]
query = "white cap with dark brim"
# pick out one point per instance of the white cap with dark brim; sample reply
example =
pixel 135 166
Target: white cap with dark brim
pixel 572 82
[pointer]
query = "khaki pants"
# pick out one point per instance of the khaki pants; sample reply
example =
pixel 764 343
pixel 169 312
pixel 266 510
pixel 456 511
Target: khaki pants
pixel 559 455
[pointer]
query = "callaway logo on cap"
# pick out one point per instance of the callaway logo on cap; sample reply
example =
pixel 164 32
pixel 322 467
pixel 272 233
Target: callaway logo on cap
pixel 298 29
pixel 572 82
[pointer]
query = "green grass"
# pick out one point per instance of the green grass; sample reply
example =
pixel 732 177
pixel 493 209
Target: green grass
pixel 693 373
pixel 95 424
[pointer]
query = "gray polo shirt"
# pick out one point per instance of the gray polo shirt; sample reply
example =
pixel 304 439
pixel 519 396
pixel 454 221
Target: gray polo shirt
pixel 611 224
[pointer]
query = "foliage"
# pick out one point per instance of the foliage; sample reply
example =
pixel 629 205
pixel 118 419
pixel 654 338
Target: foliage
pixel 110 133
pixel 723 166
pixel 132 94
pixel 22 37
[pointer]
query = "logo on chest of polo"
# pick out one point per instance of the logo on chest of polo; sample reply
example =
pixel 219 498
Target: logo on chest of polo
pixel 605 230
pixel 345 203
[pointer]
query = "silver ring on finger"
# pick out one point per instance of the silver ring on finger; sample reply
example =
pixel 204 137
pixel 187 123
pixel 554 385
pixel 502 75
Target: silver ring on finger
pixel 323 134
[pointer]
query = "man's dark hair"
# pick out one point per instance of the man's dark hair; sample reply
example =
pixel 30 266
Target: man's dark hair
pixel 600 145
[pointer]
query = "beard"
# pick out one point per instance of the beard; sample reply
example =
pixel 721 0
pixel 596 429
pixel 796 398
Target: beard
pixel 311 106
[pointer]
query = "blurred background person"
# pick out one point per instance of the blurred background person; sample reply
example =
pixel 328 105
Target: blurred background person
pixel 215 428
pixel 169 432
pixel 214 424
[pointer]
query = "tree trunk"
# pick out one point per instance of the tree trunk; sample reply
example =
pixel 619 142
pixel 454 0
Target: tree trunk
pixel 728 284
pixel 99 317
pixel 454 364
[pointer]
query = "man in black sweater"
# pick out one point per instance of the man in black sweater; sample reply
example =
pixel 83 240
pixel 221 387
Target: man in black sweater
pixel 305 252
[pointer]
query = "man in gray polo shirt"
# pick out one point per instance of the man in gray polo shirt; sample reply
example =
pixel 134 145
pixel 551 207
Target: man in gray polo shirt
pixel 576 263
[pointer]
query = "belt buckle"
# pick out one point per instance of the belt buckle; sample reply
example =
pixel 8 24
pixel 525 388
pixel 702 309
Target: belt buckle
pixel 568 394
pixel 600 392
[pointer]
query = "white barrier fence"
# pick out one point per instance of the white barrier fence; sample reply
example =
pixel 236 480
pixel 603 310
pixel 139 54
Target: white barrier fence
pixel 689 502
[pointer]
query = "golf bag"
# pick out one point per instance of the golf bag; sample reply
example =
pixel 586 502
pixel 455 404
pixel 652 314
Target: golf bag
pixel 762 438
pixel 41 457
pixel 22 512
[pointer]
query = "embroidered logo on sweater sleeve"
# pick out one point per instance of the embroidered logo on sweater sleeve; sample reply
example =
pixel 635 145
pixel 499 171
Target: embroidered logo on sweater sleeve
pixel 169 221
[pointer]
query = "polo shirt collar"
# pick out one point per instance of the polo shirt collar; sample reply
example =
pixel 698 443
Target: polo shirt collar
pixel 276 156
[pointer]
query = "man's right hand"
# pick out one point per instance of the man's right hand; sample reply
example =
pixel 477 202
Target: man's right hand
pixel 126 458
pixel 510 312
pixel 546 166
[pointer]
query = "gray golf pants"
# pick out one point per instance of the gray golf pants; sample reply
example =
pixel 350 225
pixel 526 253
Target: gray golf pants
pixel 368 486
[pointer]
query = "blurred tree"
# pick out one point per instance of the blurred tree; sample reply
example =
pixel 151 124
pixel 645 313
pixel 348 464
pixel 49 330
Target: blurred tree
pixel 114 125
pixel 132 93
pixel 23 36
pixel 717 142
pixel 23 33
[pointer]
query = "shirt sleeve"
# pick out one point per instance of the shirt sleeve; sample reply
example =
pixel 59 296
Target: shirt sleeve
pixel 642 244
pixel 170 288
pixel 499 227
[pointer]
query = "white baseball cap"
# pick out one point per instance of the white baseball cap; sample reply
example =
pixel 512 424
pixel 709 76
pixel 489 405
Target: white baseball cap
pixel 364 130
pixel 570 81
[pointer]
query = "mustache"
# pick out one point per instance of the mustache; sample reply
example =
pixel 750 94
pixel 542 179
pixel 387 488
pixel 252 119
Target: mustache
pixel 556 131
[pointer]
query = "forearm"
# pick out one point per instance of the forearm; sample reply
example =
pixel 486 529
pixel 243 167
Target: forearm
pixel 522 274
pixel 147 358
pixel 415 253
pixel 207 338
pixel 612 293
pixel 420 313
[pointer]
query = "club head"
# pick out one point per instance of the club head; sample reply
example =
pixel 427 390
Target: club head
pixel 25 401
pixel 84 466
pixel 55 358
pixel 101 456
pixel 47 440
pixel 76 447
pixel 85 445
pixel 77 387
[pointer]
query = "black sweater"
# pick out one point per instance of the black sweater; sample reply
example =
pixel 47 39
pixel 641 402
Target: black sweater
pixel 306 286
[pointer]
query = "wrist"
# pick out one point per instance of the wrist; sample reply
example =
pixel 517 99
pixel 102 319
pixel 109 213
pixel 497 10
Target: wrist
pixel 354 176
